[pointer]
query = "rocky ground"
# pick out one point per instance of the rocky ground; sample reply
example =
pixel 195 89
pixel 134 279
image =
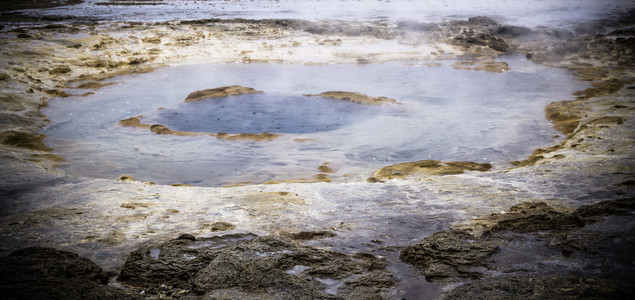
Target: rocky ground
pixel 558 225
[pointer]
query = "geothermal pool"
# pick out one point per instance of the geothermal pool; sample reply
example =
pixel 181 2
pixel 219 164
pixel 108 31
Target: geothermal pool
pixel 444 114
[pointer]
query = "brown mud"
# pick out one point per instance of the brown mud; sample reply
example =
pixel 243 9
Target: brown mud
pixel 220 92
pixel 357 98
pixel 427 167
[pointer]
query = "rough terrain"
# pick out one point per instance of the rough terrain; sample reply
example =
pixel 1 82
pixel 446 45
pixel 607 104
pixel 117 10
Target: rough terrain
pixel 559 224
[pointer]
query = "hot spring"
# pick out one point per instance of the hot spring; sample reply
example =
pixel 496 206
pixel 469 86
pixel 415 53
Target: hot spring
pixel 443 113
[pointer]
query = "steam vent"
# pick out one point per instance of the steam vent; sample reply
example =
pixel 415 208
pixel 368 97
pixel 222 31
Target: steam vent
pixel 317 149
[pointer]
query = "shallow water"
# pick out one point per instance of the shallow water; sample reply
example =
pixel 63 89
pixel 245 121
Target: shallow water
pixel 446 114
pixel 258 113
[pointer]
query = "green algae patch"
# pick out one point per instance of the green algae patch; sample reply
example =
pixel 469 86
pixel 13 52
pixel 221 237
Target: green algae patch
pixel 565 115
pixel 265 136
pixel 20 139
pixel 536 156
pixel 427 167
pixel 358 98
pixel 325 169
pixel 220 92
pixel 94 85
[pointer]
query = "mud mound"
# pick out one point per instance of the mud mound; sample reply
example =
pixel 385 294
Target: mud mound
pixel 427 167
pixel 357 98
pixel 219 92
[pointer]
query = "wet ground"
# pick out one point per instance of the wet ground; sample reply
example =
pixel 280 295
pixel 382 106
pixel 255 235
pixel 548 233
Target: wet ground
pixel 563 215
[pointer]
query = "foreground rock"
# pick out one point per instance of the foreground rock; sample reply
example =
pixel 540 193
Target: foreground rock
pixel 46 273
pixel 535 246
pixel 449 253
pixel 597 157
pixel 545 287
pixel 253 267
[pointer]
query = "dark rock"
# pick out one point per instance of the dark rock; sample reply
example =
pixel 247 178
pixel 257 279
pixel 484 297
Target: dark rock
pixel 46 273
pixel 614 207
pixel 255 266
pixel 312 235
pixel 186 236
pixel 510 31
pixel 470 38
pixel 545 287
pixel 620 50
pixel 417 26
pixel 534 239
pixel 482 21
pixel 448 254
pixel 170 264
pixel 551 220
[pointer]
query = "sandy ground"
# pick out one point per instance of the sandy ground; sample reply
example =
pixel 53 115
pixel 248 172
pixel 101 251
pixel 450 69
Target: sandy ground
pixel 104 220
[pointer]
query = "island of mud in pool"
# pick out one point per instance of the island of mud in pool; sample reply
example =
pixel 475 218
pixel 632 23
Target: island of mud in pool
pixel 499 163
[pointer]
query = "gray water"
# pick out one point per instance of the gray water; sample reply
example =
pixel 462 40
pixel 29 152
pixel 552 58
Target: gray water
pixel 447 114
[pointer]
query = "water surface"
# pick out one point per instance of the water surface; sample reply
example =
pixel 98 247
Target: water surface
pixel 446 114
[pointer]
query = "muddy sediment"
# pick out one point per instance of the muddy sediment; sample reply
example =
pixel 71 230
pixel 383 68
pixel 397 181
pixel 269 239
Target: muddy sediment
pixel 563 216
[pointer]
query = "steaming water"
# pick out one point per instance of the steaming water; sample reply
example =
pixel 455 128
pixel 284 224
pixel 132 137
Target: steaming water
pixel 526 13
pixel 446 114
pixel 259 113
